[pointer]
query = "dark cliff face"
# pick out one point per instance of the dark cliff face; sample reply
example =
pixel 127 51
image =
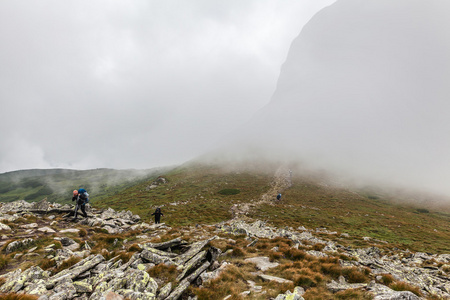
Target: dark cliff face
pixel 365 87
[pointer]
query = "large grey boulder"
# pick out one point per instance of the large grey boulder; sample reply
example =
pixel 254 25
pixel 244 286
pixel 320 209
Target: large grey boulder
pixel 382 292
pixel 296 295
pixel 16 206
pixel 133 295
pixel 164 292
pixel 16 280
pixel 140 281
pixel 77 269
pixel 42 205
pixel 208 276
pixel 65 289
pixel 260 230
pixel 152 257
pixel 262 263
pixel 4 227
pixel 13 246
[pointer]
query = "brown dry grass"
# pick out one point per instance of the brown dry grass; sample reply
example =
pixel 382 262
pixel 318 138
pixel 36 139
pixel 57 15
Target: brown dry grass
pixel 352 294
pixel 387 279
pixel 14 296
pixel 403 286
pixel 164 273
pixel 67 264
pixel 46 264
pixel 4 260
pixel 238 252
pixel 230 282
pixel 134 248
pixel 317 293
pixel 82 233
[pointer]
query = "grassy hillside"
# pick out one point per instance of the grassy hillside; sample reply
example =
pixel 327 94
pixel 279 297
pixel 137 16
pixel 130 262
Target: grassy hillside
pixel 192 194
pixel 204 194
pixel 57 184
pixel 315 206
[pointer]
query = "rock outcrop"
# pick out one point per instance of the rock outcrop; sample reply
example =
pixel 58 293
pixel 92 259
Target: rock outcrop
pixel 94 277
pixel 412 268
pixel 196 262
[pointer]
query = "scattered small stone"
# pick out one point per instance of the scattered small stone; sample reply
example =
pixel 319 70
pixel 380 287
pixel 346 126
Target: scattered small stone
pixel 32 249
pixel 28 226
pixel 262 263
pixel 4 227
pixel 46 230
pixel 273 278
pixel 70 230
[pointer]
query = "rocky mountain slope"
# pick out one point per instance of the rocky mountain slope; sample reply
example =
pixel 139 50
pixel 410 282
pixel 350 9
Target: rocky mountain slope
pixel 114 255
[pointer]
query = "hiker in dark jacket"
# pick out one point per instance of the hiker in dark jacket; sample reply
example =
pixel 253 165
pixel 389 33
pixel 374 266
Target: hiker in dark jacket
pixel 157 215
pixel 81 197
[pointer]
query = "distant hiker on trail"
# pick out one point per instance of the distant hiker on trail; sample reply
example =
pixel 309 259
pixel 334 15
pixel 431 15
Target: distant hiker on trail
pixel 81 197
pixel 278 197
pixel 157 215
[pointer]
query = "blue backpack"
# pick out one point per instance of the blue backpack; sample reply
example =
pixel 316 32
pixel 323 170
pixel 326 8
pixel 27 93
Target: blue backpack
pixel 83 195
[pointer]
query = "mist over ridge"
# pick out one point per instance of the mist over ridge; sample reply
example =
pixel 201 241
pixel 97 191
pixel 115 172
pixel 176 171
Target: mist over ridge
pixel 364 93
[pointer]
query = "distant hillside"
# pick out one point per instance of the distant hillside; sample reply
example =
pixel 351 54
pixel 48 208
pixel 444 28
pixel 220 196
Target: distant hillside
pixel 211 193
pixel 57 184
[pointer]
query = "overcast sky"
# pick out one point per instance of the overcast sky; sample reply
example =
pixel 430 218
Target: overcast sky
pixel 135 84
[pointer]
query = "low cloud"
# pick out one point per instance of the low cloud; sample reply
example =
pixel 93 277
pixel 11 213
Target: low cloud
pixel 135 85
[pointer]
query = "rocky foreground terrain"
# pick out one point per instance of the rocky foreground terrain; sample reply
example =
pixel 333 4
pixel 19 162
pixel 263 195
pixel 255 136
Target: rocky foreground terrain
pixel 47 255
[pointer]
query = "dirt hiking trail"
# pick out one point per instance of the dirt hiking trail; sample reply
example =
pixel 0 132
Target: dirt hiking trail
pixel 282 180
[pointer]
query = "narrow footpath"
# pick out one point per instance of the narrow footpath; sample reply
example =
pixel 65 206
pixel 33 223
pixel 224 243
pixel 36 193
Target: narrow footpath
pixel 282 181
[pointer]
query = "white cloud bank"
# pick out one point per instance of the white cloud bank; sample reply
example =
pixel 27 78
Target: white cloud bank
pixel 135 84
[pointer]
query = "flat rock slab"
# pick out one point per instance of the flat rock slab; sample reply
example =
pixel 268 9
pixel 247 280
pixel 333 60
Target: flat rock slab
pixel 71 230
pixel 4 227
pixel 28 226
pixel 262 262
pixel 46 229
pixel 273 278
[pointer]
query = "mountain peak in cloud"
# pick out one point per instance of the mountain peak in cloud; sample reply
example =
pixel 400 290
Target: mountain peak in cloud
pixel 365 90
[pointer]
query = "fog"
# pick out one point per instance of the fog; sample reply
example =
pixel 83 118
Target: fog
pixel 364 94
pixel 136 84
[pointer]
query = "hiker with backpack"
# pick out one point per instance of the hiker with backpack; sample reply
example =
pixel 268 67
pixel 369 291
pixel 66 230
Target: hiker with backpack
pixel 81 197
pixel 157 215
pixel 278 197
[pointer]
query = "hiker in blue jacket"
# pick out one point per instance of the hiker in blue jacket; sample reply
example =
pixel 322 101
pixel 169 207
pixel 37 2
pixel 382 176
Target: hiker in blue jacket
pixel 81 197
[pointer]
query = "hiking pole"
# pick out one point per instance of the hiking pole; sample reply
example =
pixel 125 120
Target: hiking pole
pixel 76 210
